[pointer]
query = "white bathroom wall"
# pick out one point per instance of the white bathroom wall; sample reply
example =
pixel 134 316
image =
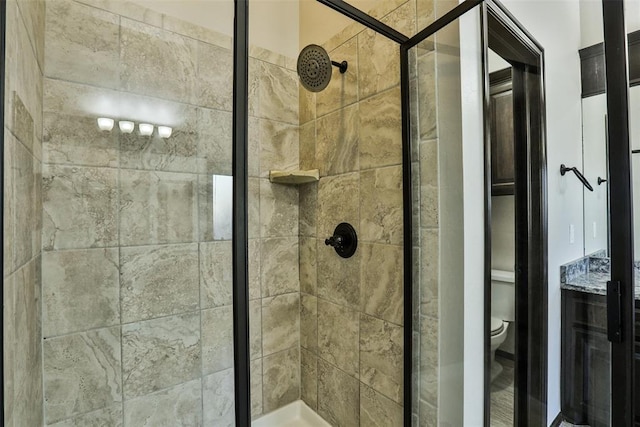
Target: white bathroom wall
pixel 503 233
pixel 591 20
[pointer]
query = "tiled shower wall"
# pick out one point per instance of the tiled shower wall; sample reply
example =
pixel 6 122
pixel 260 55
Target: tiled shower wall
pixel 137 314
pixel 352 309
pixel 23 214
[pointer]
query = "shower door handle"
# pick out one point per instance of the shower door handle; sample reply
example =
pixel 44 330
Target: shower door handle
pixel 614 311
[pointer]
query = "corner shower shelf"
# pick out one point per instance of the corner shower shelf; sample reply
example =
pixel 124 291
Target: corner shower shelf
pixel 296 177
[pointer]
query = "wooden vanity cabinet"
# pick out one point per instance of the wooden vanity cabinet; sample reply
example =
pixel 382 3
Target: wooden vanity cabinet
pixel 502 133
pixel 586 360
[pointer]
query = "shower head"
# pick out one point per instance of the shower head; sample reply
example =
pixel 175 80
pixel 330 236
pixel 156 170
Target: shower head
pixel 314 68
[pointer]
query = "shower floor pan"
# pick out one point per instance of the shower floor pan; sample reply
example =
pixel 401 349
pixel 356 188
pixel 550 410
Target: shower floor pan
pixel 296 414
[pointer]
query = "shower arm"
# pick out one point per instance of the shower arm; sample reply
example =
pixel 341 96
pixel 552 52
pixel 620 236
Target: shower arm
pixel 564 169
pixel 341 65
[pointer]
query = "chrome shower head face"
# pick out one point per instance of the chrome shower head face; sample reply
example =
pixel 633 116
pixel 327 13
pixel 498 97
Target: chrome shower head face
pixel 314 68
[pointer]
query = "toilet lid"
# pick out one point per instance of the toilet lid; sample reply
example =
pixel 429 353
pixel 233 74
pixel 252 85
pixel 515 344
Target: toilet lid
pixel 497 326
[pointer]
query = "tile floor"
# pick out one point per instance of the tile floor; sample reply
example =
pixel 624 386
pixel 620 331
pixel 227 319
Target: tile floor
pixel 502 395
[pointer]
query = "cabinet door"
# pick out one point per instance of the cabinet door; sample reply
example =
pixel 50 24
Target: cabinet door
pixel 502 144
pixel 586 360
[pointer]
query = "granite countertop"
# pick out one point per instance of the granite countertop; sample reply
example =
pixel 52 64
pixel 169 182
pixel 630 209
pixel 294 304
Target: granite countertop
pixel 591 274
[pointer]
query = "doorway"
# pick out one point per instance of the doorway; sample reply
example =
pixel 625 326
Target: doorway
pixel 514 104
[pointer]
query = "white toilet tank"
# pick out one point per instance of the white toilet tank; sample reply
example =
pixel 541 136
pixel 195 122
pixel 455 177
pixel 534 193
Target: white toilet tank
pixel 503 295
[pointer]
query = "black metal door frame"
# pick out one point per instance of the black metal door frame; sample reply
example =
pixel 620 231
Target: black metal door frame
pixel 620 212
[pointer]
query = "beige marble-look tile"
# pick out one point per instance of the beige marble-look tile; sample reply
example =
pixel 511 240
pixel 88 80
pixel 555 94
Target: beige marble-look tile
pixel 23 182
pixel 36 236
pixel 339 278
pixel 255 66
pixel 8 224
pixel 151 57
pixel 425 12
pixel 307 102
pixel 158 281
pixel 217 339
pixel 280 379
pixel 343 88
pixel 280 266
pixel 9 346
pixel 429 360
pixel 28 388
pixel 381 205
pixel 80 207
pixel 215 142
pixel 81 290
pixel 160 353
pixel 415 204
pixel 278 210
pixel 177 406
pixel 381 287
pixel 278 94
pixel 381 356
pixel 178 153
pixel 215 210
pixel 255 255
pixel 214 77
pixel 33 14
pixel 255 329
pixel 308 265
pixel 253 161
pixel 82 373
pixel 76 140
pixel 381 130
pixel 129 10
pixel 338 396
pixel 26 76
pixel 338 202
pixel 280 323
pixel 379 57
pixel 157 207
pixel 338 336
pixel 379 63
pixel 23 125
pixel 337 140
pixel 428 414
pixel 308 209
pixel 253 203
pixel 267 55
pixel 256 388
pixel 197 32
pixel 429 273
pixel 218 399
pixel 376 410
pixel 427 96
pixel 216 274
pixel 309 378
pixel 75 30
pixel 110 416
pixel 429 191
pixel 309 322
pixel 308 146
pixel 279 146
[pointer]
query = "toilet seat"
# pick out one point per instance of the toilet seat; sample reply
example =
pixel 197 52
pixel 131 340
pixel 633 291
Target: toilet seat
pixel 497 326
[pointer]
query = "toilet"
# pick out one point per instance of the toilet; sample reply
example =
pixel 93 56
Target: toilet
pixel 502 312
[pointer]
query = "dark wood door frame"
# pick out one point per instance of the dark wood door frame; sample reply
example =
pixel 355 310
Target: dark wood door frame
pixel 508 38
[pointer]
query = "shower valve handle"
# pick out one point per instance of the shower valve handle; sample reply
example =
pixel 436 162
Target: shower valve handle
pixel 344 240
pixel 335 241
